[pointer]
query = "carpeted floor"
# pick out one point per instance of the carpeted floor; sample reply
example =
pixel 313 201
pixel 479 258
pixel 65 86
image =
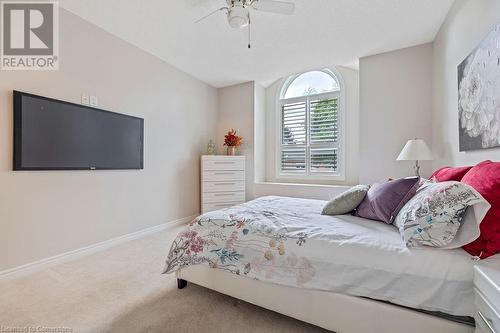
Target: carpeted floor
pixel 121 290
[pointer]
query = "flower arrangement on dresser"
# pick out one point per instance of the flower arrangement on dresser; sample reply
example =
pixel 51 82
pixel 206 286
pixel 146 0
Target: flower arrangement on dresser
pixel 232 141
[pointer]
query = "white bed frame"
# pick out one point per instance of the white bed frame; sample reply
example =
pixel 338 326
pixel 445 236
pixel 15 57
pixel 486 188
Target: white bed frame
pixel 332 311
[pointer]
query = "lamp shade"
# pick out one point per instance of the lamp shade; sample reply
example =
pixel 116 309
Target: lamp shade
pixel 415 150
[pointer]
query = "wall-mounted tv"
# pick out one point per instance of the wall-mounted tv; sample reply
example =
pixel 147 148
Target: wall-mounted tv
pixel 55 135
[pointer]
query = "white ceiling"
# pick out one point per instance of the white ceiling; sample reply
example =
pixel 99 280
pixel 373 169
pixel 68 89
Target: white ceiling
pixel 321 33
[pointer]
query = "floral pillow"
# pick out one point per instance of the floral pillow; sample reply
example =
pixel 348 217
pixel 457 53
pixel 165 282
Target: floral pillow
pixel 435 215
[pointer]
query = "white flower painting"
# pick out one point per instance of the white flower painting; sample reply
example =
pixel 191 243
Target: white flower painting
pixel 479 95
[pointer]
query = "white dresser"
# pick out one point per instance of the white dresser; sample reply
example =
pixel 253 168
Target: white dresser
pixel 222 181
pixel 487 298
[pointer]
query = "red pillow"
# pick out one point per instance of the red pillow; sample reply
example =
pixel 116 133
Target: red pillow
pixel 485 178
pixel 448 173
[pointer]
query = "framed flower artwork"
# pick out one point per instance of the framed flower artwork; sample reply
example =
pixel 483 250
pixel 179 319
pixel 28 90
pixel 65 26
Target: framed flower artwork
pixel 479 95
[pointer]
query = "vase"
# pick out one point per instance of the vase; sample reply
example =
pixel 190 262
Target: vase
pixel 231 150
pixel 211 149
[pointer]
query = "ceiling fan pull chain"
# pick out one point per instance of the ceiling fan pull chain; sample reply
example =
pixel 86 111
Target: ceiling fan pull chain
pixel 249 25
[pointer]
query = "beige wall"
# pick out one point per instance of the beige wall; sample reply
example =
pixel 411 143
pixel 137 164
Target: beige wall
pixel 395 106
pixel 47 213
pixel 260 132
pixel 236 110
pixel 468 22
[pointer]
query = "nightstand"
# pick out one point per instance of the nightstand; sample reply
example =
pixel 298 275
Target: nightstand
pixel 487 298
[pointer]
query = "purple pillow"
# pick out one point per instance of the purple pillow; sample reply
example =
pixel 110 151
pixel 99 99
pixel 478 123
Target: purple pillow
pixel 383 201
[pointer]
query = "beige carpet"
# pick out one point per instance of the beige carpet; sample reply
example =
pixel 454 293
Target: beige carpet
pixel 121 290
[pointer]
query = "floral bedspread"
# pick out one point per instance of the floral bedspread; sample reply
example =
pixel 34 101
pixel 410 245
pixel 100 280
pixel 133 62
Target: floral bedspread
pixel 260 238
pixel 287 241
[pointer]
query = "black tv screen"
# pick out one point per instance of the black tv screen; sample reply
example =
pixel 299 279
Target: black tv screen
pixel 56 135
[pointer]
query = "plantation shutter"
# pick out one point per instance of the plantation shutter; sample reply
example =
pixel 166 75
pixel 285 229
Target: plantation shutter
pixel 294 124
pixel 323 159
pixel 293 137
pixel 324 131
pixel 293 160
pixel 310 135
pixel 324 121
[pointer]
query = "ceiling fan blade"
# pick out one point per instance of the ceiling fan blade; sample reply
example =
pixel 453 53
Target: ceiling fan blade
pixel 212 13
pixel 272 6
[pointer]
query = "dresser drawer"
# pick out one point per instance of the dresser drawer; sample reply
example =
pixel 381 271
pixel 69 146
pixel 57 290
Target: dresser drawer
pixel 486 316
pixel 216 206
pixel 224 164
pixel 486 280
pixel 213 175
pixel 481 325
pixel 223 197
pixel 224 186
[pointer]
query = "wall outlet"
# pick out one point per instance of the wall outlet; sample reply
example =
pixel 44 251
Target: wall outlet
pixel 85 99
pixel 94 101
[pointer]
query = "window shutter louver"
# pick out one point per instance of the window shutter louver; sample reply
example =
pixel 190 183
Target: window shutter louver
pixel 293 135
pixel 293 123
pixel 323 159
pixel 324 121
pixel 293 160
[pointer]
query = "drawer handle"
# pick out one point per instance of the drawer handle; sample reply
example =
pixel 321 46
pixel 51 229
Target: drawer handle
pixel 224 173
pixel 223 205
pixel 223 194
pixel 487 322
pixel 217 184
pixel 223 162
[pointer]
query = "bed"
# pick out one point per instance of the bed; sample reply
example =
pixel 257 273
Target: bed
pixel 343 273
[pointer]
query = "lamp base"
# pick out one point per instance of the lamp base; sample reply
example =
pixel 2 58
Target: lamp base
pixel 417 169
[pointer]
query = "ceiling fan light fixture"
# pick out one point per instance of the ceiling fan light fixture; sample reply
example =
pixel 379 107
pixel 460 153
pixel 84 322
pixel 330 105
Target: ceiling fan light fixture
pixel 238 17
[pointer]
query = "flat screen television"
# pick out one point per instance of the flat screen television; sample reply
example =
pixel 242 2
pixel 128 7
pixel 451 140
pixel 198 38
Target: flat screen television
pixel 55 135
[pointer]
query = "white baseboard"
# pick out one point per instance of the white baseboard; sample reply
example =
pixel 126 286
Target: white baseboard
pixel 71 255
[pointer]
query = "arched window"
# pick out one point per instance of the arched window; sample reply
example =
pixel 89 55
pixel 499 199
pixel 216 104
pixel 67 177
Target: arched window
pixel 310 127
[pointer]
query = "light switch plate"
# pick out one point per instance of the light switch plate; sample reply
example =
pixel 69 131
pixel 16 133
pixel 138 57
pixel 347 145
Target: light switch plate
pixel 94 101
pixel 85 99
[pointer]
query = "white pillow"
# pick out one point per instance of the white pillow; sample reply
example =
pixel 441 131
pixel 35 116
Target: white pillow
pixel 445 215
pixel 469 227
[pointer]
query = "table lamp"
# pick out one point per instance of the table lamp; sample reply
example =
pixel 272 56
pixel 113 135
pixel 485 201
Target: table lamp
pixel 415 150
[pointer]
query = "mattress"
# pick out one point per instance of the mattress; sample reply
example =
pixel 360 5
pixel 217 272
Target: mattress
pixel 287 241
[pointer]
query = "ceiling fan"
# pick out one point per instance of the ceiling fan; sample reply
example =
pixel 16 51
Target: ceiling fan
pixel 238 11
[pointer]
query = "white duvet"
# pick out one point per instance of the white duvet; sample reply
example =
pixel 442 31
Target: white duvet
pixel 286 241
